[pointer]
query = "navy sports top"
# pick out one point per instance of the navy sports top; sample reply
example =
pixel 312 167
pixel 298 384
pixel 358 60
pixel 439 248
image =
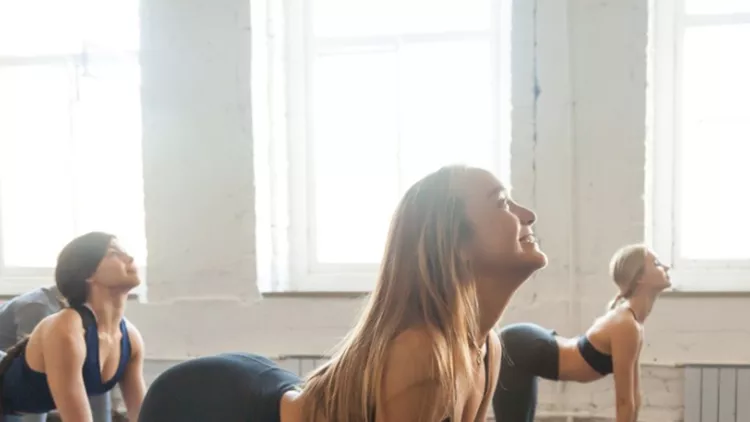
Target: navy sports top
pixel 26 390
pixel 599 362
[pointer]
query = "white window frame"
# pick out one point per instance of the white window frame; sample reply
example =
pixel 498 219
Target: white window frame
pixel 17 280
pixel 282 56
pixel 667 25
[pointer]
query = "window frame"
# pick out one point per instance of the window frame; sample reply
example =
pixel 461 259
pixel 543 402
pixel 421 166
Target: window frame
pixel 667 23
pixel 16 280
pixel 284 50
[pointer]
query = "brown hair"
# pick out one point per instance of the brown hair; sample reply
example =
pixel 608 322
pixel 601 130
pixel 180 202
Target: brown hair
pixel 15 350
pixel 423 281
pixel 76 263
pixel 626 268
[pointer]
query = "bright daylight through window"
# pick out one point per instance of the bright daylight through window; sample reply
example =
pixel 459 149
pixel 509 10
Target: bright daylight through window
pixel 70 139
pixel 701 141
pixel 364 98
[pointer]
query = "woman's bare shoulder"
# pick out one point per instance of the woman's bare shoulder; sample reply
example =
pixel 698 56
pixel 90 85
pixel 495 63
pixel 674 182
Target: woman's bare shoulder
pixel 412 389
pixel 411 359
pixel 65 323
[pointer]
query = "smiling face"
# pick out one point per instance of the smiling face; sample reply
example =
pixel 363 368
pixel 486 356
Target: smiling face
pixel 503 241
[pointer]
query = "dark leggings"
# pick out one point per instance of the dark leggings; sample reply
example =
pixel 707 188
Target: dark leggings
pixel 224 388
pixel 529 352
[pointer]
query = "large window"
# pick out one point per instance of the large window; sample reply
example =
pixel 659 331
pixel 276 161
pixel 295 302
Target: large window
pixel 70 143
pixel 701 141
pixel 354 100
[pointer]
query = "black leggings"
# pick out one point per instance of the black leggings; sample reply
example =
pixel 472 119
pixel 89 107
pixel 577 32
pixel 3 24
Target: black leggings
pixel 529 351
pixel 230 387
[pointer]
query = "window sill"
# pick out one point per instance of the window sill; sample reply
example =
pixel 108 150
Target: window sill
pixel 15 285
pixel 316 294
pixel 4 297
pixel 706 293
pixel 686 291
pixel 360 295
pixel 710 279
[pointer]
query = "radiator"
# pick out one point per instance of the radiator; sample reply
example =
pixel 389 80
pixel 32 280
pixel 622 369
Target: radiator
pixel 303 364
pixel 717 393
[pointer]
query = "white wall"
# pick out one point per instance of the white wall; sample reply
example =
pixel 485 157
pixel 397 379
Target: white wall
pixel 578 159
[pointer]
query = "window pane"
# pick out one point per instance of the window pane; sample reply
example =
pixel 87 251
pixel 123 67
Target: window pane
pixel 351 18
pixel 35 27
pixel 108 172
pixel 715 134
pixel 111 24
pixel 355 153
pixel 446 102
pixel 715 73
pixel 716 6
pixel 65 25
pixel 35 184
pixel 714 171
pixel 384 120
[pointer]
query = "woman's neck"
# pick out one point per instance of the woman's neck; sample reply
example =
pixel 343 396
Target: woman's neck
pixel 109 310
pixel 641 306
pixel 493 297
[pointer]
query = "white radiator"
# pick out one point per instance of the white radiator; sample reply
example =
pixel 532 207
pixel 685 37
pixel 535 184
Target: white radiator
pixel 717 393
pixel 303 364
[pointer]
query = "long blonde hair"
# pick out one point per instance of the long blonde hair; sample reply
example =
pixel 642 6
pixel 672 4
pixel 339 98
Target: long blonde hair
pixel 626 268
pixel 423 281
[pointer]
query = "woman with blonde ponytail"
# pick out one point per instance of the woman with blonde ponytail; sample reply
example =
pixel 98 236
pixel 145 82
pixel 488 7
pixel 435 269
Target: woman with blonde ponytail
pixel 611 345
pixel 423 350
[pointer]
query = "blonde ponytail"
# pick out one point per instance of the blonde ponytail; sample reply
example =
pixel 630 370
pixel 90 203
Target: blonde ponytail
pixel 615 301
pixel 626 268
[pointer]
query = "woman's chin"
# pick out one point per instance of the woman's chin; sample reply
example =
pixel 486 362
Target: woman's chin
pixel 533 258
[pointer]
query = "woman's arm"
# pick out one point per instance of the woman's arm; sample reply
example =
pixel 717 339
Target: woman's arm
pixel 132 385
pixel 637 388
pixel 64 352
pixel 625 347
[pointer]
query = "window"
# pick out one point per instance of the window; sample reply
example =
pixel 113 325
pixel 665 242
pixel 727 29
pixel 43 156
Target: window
pixel 701 132
pixel 70 144
pixel 354 100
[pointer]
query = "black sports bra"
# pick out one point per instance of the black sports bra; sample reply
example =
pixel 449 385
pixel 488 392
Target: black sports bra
pixel 486 377
pixel 599 362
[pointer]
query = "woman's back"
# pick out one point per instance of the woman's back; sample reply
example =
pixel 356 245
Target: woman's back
pixel 609 325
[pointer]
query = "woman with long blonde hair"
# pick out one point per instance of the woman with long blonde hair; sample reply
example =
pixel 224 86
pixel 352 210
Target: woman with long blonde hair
pixel 424 349
pixel 612 345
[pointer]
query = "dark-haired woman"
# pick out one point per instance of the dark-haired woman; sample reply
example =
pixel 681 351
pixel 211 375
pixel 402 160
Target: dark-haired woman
pixel 85 349
pixel 18 318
